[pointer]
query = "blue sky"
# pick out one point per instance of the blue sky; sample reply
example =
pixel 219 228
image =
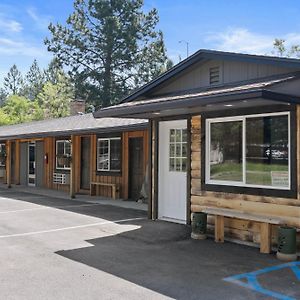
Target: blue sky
pixel 239 26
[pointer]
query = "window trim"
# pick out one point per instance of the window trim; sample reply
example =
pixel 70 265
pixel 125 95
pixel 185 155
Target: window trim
pixel 243 118
pixel 181 143
pixel 62 141
pixel 3 145
pixel 108 139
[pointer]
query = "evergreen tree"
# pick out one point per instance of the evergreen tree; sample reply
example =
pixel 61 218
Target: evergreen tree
pixel 13 82
pixel 34 81
pixel 3 96
pixel 110 47
pixel 53 71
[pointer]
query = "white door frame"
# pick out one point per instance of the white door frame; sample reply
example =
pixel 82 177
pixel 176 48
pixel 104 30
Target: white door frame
pixel 31 176
pixel 172 185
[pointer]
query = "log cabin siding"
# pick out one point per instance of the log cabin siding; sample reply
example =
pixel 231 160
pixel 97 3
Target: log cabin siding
pixel 242 230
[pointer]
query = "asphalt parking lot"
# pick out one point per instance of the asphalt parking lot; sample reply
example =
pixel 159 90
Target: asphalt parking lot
pixel 54 248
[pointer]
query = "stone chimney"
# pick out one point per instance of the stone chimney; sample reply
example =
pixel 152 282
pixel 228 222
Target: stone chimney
pixel 77 107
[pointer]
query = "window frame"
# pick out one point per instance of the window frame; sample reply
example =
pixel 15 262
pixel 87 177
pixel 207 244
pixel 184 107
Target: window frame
pixel 56 148
pixel 106 171
pixel 243 118
pixel 175 143
pixel 3 145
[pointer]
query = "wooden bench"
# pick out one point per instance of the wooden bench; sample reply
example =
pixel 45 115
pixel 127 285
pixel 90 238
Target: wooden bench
pixel 265 224
pixel 113 186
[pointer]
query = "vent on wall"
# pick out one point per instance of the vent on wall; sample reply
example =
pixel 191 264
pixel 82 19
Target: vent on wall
pixel 60 178
pixel 214 75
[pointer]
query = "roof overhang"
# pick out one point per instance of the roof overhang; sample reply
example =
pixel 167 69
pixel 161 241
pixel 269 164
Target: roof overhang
pixel 193 105
pixel 66 133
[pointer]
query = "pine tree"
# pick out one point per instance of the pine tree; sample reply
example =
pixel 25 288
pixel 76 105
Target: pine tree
pixel 13 82
pixel 34 81
pixel 110 47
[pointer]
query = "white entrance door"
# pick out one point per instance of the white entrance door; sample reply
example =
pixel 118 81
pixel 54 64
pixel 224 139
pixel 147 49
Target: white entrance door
pixel 172 176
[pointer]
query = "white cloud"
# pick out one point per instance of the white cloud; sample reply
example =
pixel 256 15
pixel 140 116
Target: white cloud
pixel 11 47
pixel 10 26
pixel 245 41
pixel 41 21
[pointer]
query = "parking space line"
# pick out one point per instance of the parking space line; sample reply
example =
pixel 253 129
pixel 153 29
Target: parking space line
pixel 69 228
pixel 48 207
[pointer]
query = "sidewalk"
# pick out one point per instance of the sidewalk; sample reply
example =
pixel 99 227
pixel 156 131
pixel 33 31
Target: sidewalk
pixel 79 197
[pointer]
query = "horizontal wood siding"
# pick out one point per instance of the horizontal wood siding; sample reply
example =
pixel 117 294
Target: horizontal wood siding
pixel 243 230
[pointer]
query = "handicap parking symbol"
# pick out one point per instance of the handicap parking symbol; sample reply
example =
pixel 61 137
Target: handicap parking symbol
pixel 250 280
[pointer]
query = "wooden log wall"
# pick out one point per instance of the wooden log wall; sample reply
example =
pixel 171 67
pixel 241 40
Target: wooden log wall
pixel 242 230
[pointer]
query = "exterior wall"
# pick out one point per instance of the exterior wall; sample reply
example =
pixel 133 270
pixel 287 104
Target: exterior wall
pixel 120 179
pixel 45 147
pixel 247 231
pixel 230 71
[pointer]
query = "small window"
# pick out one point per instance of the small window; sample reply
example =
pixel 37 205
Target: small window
pixel 2 155
pixel 252 151
pixel 109 154
pixel 214 75
pixel 63 154
pixel 178 150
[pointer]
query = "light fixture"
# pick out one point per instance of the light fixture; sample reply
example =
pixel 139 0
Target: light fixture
pixel 228 105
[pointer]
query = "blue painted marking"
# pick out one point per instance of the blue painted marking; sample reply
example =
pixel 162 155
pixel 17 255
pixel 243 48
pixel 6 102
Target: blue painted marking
pixel 253 284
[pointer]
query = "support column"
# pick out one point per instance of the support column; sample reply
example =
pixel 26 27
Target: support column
pixel 219 229
pixel 72 167
pixel 265 237
pixel 8 164
pixel 154 167
pixel 17 163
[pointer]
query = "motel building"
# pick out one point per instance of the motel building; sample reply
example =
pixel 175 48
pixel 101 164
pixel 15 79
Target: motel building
pixel 218 133
pixel 77 155
pixel 224 133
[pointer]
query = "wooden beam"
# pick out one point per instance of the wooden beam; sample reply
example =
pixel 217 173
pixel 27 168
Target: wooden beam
pixel 219 229
pixel 298 150
pixel 17 163
pixel 72 167
pixel 150 169
pixel 8 164
pixel 265 238
pixel 188 172
pixel 155 154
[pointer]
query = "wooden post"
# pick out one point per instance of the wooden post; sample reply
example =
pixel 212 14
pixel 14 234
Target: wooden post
pixel 219 229
pixel 298 149
pixel 265 238
pixel 17 163
pixel 72 167
pixel 154 180
pixel 150 170
pixel 8 164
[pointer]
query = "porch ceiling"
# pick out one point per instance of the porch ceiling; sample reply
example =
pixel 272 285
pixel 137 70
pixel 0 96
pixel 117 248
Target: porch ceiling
pixel 150 109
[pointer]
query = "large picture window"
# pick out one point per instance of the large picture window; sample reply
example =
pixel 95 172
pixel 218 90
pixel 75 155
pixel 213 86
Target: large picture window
pixel 63 154
pixel 251 151
pixel 109 154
